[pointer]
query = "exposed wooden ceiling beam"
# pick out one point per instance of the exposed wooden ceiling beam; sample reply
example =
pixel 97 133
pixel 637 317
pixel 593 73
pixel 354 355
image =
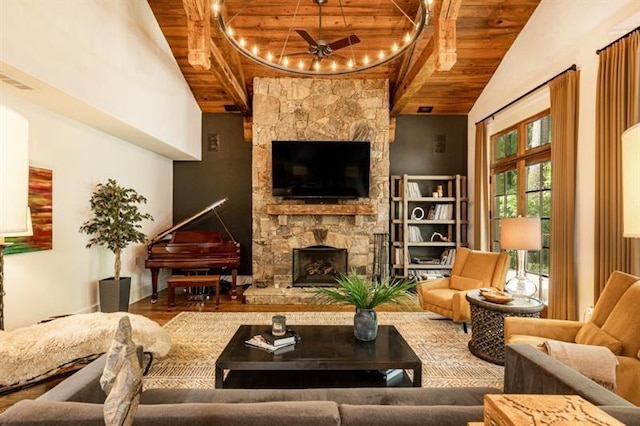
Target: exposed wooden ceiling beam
pixel 438 55
pixel 202 47
pixel 198 33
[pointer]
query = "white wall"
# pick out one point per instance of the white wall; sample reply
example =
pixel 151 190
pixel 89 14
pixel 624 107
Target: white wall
pixel 559 34
pixel 105 63
pixel 109 101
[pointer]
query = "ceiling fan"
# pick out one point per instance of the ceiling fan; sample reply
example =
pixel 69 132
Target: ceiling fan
pixel 321 48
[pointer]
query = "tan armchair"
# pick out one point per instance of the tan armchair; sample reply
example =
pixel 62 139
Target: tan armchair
pixel 615 324
pixel 471 270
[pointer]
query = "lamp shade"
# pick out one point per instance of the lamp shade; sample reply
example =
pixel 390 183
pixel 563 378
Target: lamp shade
pixel 14 172
pixel 631 181
pixel 521 233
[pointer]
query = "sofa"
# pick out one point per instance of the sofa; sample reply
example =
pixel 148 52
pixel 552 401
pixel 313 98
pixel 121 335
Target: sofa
pixel 615 323
pixel 78 401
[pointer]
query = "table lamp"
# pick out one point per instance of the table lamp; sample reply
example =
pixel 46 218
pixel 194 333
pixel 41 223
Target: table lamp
pixel 631 182
pixel 15 218
pixel 521 234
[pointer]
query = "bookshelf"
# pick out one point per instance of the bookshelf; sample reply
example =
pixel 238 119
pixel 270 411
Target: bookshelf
pixel 428 223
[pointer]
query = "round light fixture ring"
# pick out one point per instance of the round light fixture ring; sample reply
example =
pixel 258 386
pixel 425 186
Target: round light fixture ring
pixel 321 50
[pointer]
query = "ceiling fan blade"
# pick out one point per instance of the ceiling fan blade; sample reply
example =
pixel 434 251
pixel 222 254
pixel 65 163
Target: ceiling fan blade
pixel 307 37
pixel 344 42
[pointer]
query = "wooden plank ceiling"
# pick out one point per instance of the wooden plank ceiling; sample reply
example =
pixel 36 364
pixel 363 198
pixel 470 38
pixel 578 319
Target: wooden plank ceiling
pixel 447 69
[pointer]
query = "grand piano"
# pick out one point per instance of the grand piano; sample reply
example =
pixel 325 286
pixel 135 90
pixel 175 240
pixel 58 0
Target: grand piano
pixel 175 249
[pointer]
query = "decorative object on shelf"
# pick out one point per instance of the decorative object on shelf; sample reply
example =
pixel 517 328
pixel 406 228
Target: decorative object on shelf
pixel 115 225
pixel 630 179
pixel 278 325
pixel 521 234
pixel 440 191
pixel 333 47
pixel 435 194
pixel 417 213
pixel 365 294
pixel 439 237
pixel 15 217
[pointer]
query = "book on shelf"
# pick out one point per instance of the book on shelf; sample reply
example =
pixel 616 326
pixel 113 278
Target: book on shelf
pixel 448 257
pixel 413 190
pixel 258 341
pixel 287 339
pixel 414 234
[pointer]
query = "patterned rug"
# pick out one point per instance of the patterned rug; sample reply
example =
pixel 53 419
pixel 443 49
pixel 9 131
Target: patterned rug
pixel 199 337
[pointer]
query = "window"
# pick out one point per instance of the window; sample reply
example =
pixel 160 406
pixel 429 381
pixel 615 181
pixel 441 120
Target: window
pixel 521 186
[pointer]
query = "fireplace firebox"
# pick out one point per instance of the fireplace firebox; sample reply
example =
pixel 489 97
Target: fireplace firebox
pixel 318 266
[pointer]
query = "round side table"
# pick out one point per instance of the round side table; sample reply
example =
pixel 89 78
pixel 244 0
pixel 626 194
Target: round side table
pixel 487 324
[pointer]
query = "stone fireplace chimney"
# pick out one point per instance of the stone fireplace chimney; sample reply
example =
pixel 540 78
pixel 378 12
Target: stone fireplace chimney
pixel 307 109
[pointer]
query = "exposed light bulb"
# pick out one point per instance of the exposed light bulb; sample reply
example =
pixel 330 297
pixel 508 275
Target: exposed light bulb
pixel 242 42
pixel 285 61
pixel 230 31
pixel 300 65
pixel 394 48
pixel 381 55
pixel 255 49
pixel 334 66
pixel 215 8
pixel 407 38
pixel 316 66
pixel 366 59
pixel 350 64
pixel 269 57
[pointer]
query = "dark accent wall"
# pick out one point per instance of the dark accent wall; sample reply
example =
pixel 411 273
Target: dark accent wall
pixel 225 172
pixel 423 145
pixel 429 145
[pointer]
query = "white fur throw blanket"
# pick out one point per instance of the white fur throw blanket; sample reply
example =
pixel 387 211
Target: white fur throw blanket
pixel 596 362
pixel 30 352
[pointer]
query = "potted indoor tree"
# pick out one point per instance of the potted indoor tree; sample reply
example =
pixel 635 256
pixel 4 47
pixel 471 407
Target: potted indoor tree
pixel 365 294
pixel 115 225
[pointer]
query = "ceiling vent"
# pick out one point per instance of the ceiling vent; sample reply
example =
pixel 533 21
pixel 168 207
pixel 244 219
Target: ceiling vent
pixel 425 109
pixel 13 82
pixel 231 108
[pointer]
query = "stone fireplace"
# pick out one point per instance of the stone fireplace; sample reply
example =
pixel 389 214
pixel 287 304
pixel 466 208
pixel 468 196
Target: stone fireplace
pixel 318 266
pixel 306 109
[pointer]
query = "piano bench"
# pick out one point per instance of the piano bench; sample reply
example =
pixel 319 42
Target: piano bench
pixel 192 281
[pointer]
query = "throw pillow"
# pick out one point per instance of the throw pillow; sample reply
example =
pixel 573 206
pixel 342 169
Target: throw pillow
pixel 591 334
pixel 463 283
pixel 122 378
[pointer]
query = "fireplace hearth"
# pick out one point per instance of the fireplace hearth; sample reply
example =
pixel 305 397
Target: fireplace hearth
pixel 318 266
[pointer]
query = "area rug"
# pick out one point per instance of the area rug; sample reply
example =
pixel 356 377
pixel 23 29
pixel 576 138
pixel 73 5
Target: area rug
pixel 199 337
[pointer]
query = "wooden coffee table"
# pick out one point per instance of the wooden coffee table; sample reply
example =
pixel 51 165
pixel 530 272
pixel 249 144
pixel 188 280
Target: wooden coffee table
pixel 326 356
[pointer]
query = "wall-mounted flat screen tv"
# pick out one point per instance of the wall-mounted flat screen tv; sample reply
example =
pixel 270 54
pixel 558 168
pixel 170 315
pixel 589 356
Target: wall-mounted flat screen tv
pixel 321 169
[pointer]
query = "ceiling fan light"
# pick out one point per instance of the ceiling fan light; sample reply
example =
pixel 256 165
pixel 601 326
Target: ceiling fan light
pixel 242 42
pixel 394 47
pixel 366 59
pixel 230 31
pixel 269 57
pixel 334 66
pixel 300 65
pixel 350 64
pixel 255 49
pixel 407 38
pixel 316 66
pixel 215 8
pixel 285 61
pixel 381 55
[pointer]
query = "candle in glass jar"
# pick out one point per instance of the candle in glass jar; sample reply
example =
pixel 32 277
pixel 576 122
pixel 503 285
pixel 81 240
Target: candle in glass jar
pixel 278 325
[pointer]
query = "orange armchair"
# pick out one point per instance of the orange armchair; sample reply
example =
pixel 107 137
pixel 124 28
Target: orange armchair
pixel 615 324
pixel 471 270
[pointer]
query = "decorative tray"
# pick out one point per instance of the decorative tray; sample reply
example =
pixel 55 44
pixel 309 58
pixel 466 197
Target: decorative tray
pixel 496 296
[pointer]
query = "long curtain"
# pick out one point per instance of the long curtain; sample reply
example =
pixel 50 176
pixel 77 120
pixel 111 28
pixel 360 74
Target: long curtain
pixel 481 191
pixel 564 91
pixel 617 108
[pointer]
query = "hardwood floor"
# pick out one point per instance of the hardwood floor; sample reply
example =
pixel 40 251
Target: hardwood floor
pixel 158 312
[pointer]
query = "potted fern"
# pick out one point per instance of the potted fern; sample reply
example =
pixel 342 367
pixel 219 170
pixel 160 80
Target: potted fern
pixel 115 225
pixel 365 294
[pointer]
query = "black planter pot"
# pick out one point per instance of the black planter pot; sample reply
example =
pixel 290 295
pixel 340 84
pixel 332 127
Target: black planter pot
pixel 114 295
pixel 365 324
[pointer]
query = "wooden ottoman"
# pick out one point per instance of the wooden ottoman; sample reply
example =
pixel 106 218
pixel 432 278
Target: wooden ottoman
pixel 192 281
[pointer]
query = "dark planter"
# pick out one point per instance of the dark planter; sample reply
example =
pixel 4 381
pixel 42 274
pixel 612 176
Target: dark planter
pixel 365 324
pixel 114 295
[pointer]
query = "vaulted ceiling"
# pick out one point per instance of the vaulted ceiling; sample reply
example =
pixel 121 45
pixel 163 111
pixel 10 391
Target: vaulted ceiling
pixel 447 68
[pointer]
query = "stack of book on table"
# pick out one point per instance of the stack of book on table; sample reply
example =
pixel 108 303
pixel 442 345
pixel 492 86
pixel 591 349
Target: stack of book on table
pixel 274 344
